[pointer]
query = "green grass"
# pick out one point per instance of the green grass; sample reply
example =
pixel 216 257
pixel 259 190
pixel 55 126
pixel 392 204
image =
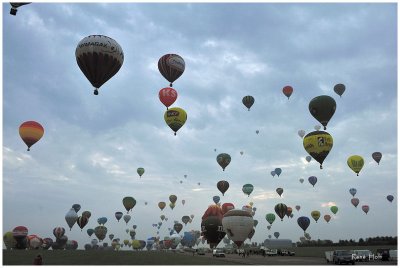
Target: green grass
pixel 320 251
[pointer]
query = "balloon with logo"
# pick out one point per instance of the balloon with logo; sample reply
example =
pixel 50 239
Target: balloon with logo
pixel 270 217
pixel 377 156
pixel 71 218
pixel 339 89
pixel 140 171
pixel 365 208
pixel 353 191
pixel 327 218
pixel 223 186
pixel 318 144
pixel 355 201
pixel 171 66
pixel 390 198
pixel 287 91
pixel 168 96
pixel 356 163
pixel 280 210
pixel 99 57
pixel 238 224
pixel 334 209
pixel 128 202
pixel 312 180
pixel 315 214
pixel 248 101
pixel 247 189
pixel 31 132
pixel 303 222
pixel 175 118
pixel 322 108
pixel 161 205
pixel 223 160
pixel 211 225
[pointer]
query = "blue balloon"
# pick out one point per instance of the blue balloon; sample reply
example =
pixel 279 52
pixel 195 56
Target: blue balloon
pixel 188 240
pixel 353 191
pixel 76 207
pixel 312 180
pixel 303 222
pixel 278 171
pixel 390 198
pixel 216 199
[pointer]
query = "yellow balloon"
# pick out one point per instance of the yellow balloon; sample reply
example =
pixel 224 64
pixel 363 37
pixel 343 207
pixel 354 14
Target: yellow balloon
pixel 318 144
pixel 251 204
pixel 355 162
pixel 175 118
pixel 315 215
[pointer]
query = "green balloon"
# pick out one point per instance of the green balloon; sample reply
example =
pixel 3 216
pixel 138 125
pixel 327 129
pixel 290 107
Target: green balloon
pixel 223 160
pixel 128 202
pixel 140 171
pixel 247 189
pixel 9 240
pixel 334 209
pixel 270 217
pixel 322 108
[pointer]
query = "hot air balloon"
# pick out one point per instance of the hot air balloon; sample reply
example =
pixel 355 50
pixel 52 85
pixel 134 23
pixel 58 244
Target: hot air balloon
pixel 390 198
pixel 171 66
pixel 90 232
pixel 248 101
pixel 58 232
pixel 355 201
pixel 86 214
pixel 19 234
pixel 308 158
pixel 339 89
pixel 318 144
pixel 223 160
pixel 127 218
pixel 31 132
pixel 47 243
pixel 353 191
pixel 173 198
pixel 276 234
pixel 334 209
pixel 280 210
pixel 301 133
pixel 82 221
pixel 301 180
pixel 327 217
pixel 322 108
pixel 162 217
pixel 365 208
pixel 237 224
pixel 168 96
pixel 118 215
pixel 185 220
pixel 9 240
pixel 278 171
pixel 175 118
pixel 270 217
pixel 99 57
pixel 216 199
pixel 140 171
pixel 279 191
pixel 289 211
pixel 212 230
pixel 247 189
pixel 100 232
pixel 315 214
pixel 273 173
pixel 257 131
pixel 15 6
pixel 226 207
pixel 269 236
pixel 102 220
pixel 255 223
pixel 71 218
pixel 312 180
pixel 178 227
pixel 183 202
pixel 303 222
pixel 128 202
pixel 111 236
pixel 355 162
pixel 297 207
pixel 223 186
pixel 241 152
pixel 171 205
pixel 34 242
pixel 161 205
pixel 287 91
pixel 377 156
pixel 76 207
pixel 269 227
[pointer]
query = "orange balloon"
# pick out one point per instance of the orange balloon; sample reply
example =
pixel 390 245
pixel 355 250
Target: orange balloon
pixel 288 90
pixel 31 132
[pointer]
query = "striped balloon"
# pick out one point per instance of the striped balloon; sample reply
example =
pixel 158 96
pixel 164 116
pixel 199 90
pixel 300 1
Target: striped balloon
pixel 171 66
pixel 31 132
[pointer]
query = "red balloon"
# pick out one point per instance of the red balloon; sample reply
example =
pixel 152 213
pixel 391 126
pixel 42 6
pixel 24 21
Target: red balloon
pixel 226 207
pixel 168 96
pixel 288 90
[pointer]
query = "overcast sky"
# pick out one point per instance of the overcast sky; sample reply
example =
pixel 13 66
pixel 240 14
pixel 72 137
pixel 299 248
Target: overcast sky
pixel 93 145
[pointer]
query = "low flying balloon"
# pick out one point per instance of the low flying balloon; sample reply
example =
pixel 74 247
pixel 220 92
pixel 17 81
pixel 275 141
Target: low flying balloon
pixel 390 198
pixel 118 215
pixel 212 230
pixel 223 160
pixel 356 163
pixel 303 222
pixel 334 209
pixel 87 214
pixel 82 221
pixel 318 144
pixel 353 191
pixel 280 210
pixel 140 171
pixel 312 180
pixel 301 133
pixel 278 171
pixel 365 208
pixel 161 205
pixel 339 89
pixel 223 186
pixel 247 189
pixel 226 207
pixel 322 108
pixel 71 218
pixel 248 101
pixel 128 202
pixel 175 118
pixel 327 217
pixel 237 224
pixel 270 217
pixel 15 6
pixel 127 218
pixel 279 191
pixel 168 96
pixel 287 91
pixel 99 57
pixel 377 156
pixel 100 232
pixel 76 207
pixel 315 214
pixel 355 201
pixel 31 132
pixel 276 234
pixel 216 199
pixel 171 66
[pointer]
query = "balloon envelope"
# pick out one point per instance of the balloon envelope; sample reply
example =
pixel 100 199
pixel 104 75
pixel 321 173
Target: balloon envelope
pixel 334 209
pixel 171 66
pixel 365 208
pixel 312 180
pixel 71 218
pixel 248 101
pixel 278 171
pixel 175 118
pixel 303 222
pixel 390 198
pixel 167 96
pixel 315 214
pixel 339 89
pixel 356 163
pixel 355 201
pixel 140 171
pixel 287 91
pixel 280 210
pixel 223 186
pixel 128 202
pixel 31 132
pixel 318 144
pixel 377 156
pixel 322 108
pixel 247 189
pixel 237 224
pixel 353 191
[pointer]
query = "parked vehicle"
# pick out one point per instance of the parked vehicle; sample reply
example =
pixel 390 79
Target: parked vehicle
pixel 329 256
pixel 393 254
pixel 285 252
pixel 218 253
pixel 362 255
pixel 271 252
pixel 384 253
pixel 201 251
pixel 343 256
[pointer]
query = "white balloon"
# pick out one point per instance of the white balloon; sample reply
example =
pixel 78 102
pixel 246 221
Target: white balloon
pixel 237 224
pixel 71 217
pixel 301 133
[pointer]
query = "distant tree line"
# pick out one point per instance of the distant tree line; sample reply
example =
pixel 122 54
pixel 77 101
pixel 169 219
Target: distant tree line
pixel 370 241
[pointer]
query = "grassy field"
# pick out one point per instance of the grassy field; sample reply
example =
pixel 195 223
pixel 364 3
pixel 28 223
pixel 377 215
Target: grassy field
pixel 320 251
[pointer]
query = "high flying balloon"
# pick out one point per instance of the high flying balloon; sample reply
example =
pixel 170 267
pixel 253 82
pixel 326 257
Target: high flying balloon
pixel 248 101
pixel 377 156
pixel 223 160
pixel 339 89
pixel 322 108
pixel 167 96
pixel 31 132
pixel 287 91
pixel 171 66
pixel 223 186
pixel 318 144
pixel 356 163
pixel 175 118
